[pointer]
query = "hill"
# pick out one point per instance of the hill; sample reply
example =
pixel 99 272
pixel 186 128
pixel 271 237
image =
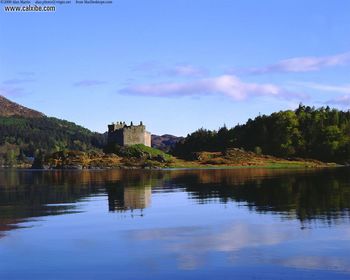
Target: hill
pixel 25 132
pixel 9 108
pixel 165 142
pixel 22 137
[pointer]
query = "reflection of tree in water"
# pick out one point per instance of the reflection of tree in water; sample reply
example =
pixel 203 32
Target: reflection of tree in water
pixel 323 194
pixel 30 194
pixel 26 194
pixel 300 194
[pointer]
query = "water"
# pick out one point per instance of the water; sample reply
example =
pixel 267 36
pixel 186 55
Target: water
pixel 179 224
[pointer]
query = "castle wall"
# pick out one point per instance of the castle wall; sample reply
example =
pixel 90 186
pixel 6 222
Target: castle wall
pixel 135 135
pixel 116 137
pixel 129 135
pixel 147 139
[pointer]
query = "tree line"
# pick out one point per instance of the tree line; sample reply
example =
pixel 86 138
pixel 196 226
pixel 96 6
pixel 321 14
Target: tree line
pixel 306 132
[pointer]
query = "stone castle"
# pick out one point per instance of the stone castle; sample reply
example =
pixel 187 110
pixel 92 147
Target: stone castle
pixel 125 135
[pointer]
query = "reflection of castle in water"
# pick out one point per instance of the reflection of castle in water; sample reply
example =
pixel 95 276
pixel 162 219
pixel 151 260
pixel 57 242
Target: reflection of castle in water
pixel 129 198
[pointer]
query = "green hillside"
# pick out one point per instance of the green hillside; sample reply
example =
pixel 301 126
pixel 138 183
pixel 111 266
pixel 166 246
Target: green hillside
pixel 22 137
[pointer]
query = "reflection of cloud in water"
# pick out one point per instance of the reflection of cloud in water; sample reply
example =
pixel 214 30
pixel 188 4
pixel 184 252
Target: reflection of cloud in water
pixel 189 262
pixel 244 243
pixel 241 235
pixel 190 244
pixel 317 262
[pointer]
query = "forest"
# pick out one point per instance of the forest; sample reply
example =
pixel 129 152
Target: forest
pixel 22 138
pixel 306 132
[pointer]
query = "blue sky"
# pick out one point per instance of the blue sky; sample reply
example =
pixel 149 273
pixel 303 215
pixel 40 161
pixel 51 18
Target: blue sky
pixel 177 65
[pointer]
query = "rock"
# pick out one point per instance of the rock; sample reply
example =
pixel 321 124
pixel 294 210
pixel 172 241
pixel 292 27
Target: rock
pixel 160 158
pixel 73 166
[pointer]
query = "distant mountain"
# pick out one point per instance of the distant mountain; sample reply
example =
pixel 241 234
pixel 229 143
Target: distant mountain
pixel 165 142
pixel 9 108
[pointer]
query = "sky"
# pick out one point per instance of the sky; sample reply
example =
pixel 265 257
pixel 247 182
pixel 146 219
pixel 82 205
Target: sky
pixel 177 65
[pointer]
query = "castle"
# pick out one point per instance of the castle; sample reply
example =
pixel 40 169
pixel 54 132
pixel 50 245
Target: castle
pixel 126 135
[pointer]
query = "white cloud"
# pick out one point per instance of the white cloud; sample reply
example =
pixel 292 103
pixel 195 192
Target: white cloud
pixel 26 73
pixel 152 68
pixel 185 70
pixel 17 81
pixel 148 66
pixel 303 64
pixel 22 78
pixel 10 91
pixel 88 83
pixel 325 87
pixel 228 85
pixel 340 100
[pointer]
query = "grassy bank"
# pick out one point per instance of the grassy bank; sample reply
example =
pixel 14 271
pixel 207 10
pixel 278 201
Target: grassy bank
pixel 140 156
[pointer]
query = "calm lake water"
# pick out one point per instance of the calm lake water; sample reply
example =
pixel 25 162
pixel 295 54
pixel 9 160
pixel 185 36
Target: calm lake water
pixel 178 224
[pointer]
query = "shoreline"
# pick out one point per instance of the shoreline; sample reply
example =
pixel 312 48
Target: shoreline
pixel 197 167
pixel 143 158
